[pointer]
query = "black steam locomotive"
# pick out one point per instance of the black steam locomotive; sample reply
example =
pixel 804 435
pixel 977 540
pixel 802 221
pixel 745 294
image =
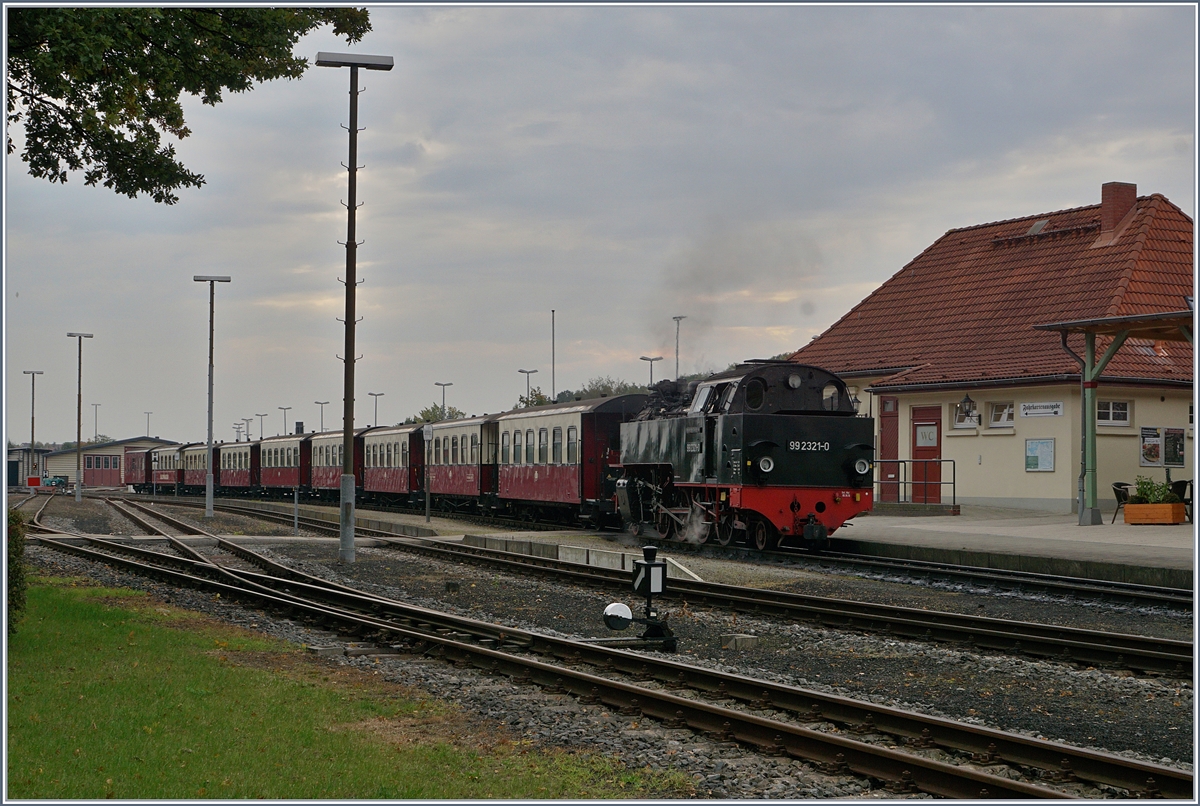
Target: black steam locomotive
pixel 767 453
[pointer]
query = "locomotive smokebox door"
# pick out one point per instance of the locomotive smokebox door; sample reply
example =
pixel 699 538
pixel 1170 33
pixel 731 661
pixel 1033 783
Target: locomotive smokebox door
pixel 649 576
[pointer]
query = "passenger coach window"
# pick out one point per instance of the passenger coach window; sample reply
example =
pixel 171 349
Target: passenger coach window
pixel 542 446
pixel 437 451
pixel 474 449
pixel 454 450
pixel 516 447
pixel 572 445
pixel 403 454
pixel 529 446
pixel 504 448
pixel 556 447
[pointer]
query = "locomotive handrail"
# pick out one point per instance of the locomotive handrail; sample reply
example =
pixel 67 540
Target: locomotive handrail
pixel 905 489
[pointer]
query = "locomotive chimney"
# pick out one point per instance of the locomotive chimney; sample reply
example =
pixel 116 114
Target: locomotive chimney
pixel 1116 199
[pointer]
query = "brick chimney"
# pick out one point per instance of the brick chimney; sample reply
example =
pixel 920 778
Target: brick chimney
pixel 1116 199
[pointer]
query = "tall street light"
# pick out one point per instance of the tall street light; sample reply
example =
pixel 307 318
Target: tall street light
pixel 212 281
pixel 247 420
pixel 285 410
pixel 96 422
pixel 652 359
pixel 677 319
pixel 79 419
pixel 147 413
pixel 354 62
pixel 376 395
pixel 322 404
pixel 261 433
pixel 527 373
pixel 32 373
pixel 443 385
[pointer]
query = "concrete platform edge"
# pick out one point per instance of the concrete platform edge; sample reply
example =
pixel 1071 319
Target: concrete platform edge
pixel 1085 569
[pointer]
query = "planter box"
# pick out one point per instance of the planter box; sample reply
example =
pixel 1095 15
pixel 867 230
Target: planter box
pixel 1155 513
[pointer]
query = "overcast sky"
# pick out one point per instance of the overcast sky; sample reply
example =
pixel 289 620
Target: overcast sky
pixel 758 170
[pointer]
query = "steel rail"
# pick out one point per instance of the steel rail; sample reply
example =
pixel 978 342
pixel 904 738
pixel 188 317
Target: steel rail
pixel 985 745
pixel 836 754
pixel 1070 644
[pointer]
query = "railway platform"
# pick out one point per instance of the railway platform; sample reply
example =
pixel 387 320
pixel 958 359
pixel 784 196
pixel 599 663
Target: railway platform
pixel 1022 540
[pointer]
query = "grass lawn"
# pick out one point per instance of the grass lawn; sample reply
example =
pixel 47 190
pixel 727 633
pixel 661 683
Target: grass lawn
pixel 112 695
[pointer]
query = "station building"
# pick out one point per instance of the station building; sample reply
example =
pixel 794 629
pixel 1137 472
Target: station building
pixel 972 401
pixel 103 463
pixel 24 462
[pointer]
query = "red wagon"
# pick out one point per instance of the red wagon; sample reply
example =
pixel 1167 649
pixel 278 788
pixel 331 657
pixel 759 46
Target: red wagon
pixel 393 463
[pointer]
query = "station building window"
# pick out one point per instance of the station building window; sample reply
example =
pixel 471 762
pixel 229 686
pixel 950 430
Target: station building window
pixel 1002 415
pixel 87 462
pixel 556 447
pixel 572 445
pixel 962 419
pixel 1112 412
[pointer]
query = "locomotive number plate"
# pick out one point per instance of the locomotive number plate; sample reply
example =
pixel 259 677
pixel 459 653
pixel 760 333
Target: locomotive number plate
pixel 808 446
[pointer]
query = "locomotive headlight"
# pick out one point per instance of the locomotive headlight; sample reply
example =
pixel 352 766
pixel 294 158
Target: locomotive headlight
pixel 862 467
pixel 766 464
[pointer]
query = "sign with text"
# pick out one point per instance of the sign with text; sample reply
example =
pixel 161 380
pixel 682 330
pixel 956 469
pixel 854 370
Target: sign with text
pixel 1039 455
pixel 1161 447
pixel 1054 409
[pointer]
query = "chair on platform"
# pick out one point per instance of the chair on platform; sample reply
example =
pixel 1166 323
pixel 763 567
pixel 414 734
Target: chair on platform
pixel 1121 491
pixel 1183 489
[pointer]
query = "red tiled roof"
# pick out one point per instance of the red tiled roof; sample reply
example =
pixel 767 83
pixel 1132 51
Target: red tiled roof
pixel 963 311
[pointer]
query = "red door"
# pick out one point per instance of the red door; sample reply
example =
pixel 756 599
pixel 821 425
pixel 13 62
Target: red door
pixel 926 451
pixel 889 449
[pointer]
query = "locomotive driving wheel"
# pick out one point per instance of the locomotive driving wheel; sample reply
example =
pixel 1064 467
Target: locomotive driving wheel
pixel 725 531
pixel 762 535
pixel 665 525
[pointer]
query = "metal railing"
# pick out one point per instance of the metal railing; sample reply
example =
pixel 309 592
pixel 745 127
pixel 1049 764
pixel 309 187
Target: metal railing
pixel 897 487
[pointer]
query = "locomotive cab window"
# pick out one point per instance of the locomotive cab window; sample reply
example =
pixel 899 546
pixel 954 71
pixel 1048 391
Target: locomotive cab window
pixel 701 399
pixel 830 397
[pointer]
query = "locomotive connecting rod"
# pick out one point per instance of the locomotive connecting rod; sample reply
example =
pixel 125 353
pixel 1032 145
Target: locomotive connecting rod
pixel 354 62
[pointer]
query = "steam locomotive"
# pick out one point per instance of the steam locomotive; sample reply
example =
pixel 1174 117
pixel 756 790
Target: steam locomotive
pixel 766 453
pixel 762 454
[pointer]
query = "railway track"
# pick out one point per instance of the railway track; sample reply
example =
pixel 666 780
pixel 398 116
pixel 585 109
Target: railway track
pixel 775 718
pixel 1158 656
pixel 985 579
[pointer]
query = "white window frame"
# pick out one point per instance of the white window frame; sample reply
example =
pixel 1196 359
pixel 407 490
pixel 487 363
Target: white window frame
pixel 1105 408
pixel 961 420
pixel 1007 407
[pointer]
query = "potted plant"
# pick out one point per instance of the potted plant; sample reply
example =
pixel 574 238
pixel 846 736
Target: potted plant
pixel 1152 502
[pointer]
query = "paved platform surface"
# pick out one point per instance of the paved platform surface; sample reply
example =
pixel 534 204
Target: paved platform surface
pixel 1027 540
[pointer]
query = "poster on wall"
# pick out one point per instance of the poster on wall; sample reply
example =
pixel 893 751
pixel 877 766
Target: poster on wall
pixel 1039 455
pixel 1161 447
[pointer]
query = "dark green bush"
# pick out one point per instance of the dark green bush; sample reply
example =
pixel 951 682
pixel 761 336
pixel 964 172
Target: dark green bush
pixel 16 569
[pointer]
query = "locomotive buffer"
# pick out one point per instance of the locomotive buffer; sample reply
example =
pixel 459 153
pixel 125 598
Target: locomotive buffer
pixel 649 578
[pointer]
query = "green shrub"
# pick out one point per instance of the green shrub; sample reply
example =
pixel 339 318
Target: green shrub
pixel 1149 491
pixel 17 582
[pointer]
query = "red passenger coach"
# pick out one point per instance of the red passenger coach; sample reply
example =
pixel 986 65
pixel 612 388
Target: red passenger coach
pixel 285 463
pixel 234 464
pixel 554 460
pixel 195 468
pixel 462 462
pixel 137 469
pixel 166 473
pixel 393 462
pixel 327 457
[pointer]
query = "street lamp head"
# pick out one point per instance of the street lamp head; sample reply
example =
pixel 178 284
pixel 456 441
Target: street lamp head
pixel 325 59
pixel 527 371
pixel 33 372
pixel 439 383
pixel 650 358
pixel 321 402
pixel 79 335
pixel 210 278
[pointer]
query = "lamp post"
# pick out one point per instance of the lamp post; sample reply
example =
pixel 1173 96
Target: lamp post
pixel 261 432
pixel 376 395
pixel 652 359
pixel 285 410
pixel 553 391
pixel 322 404
pixel 527 373
pixel 79 337
pixel 147 413
pixel 354 62
pixel 95 422
pixel 677 319
pixel 32 373
pixel 443 385
pixel 212 281
pixel 237 431
pixel 247 420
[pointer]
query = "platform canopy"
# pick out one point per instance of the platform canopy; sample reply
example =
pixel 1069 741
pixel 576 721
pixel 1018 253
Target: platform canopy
pixel 1166 326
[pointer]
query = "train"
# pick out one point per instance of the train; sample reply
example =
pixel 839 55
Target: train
pixel 766 454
